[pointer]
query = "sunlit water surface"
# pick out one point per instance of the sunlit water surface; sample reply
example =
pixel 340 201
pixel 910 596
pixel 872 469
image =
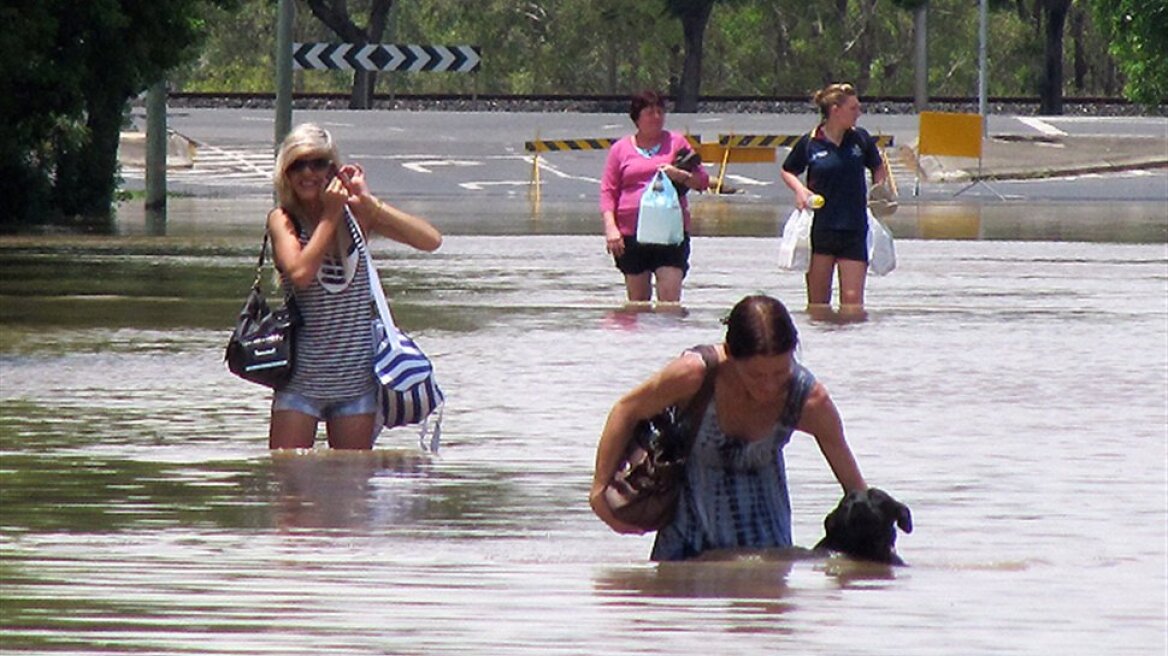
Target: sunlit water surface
pixel 1010 386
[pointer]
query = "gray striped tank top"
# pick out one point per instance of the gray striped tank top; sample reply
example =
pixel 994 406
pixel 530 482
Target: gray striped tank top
pixel 334 346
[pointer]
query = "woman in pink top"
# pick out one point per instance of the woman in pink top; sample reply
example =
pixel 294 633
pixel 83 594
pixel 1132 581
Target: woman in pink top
pixel 630 166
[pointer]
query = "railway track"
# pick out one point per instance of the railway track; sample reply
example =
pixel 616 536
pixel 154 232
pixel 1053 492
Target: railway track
pixel 1078 106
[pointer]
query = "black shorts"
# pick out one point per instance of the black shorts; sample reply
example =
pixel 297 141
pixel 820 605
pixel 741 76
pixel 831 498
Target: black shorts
pixel 643 258
pixel 840 244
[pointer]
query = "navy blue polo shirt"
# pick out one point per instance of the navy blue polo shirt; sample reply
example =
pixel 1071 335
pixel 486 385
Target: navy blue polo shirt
pixel 839 174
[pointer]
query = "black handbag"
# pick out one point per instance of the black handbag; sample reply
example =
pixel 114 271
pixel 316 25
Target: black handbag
pixel 686 160
pixel 262 349
pixel 646 486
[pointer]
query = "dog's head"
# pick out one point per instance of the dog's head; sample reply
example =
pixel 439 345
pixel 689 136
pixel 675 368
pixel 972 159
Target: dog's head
pixel 863 525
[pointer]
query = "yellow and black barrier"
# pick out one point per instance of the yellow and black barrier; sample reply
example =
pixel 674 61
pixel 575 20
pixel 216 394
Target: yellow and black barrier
pixel 728 149
pixel 557 145
pixel 777 140
pixel 755 149
pixel 560 145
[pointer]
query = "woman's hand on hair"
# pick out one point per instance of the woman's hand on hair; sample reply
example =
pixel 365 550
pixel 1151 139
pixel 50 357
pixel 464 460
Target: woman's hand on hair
pixel 353 177
pixel 335 196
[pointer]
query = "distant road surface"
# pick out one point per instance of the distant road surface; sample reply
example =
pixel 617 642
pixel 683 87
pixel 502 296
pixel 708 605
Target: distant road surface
pixel 442 154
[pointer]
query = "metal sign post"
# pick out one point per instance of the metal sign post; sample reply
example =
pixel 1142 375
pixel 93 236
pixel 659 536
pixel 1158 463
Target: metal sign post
pixel 284 70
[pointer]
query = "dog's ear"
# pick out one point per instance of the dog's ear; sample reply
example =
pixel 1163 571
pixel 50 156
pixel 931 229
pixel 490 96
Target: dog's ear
pixel 893 509
pixel 904 518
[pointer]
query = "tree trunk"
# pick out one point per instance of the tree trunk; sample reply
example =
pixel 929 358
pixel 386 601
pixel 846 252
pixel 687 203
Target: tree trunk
pixel 1050 87
pixel 693 26
pixel 1079 59
pixel 363 85
pixel 335 16
pixel 920 58
pixel 85 180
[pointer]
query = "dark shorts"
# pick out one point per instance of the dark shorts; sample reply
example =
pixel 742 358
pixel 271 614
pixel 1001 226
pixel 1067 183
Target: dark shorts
pixel 841 244
pixel 644 258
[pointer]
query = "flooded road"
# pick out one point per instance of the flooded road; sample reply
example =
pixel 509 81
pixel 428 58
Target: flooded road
pixel 1010 385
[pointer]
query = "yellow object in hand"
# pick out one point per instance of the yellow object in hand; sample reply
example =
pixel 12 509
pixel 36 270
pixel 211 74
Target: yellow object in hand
pixel 815 201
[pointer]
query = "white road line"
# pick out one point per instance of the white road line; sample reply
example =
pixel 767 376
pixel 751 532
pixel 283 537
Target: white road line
pixel 240 158
pixel 478 186
pixel 425 165
pixel 743 180
pixel 1042 126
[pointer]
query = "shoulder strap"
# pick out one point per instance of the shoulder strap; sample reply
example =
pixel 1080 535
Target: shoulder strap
pixel 375 289
pixel 256 284
pixel 797 391
pixel 691 417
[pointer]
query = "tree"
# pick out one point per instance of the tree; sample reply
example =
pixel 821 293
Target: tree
pixel 920 11
pixel 1136 29
pixel 67 73
pixel 335 14
pixel 694 16
pixel 1050 85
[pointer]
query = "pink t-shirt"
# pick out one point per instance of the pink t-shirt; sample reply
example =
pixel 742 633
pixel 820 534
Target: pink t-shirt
pixel 626 173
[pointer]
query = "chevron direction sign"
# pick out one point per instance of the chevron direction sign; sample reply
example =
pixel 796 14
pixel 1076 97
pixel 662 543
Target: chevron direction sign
pixel 386 57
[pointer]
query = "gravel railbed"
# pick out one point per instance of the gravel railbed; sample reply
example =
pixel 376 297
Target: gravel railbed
pixel 620 107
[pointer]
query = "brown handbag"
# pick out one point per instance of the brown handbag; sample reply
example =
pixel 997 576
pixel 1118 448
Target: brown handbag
pixel 646 486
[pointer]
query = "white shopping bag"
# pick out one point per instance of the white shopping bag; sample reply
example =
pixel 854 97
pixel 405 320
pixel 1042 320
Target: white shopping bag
pixel 659 220
pixel 881 249
pixel 795 243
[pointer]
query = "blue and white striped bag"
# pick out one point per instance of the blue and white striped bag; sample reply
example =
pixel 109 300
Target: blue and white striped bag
pixel 408 393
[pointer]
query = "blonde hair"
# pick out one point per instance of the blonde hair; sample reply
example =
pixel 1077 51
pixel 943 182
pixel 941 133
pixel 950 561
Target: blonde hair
pixel 830 96
pixel 306 140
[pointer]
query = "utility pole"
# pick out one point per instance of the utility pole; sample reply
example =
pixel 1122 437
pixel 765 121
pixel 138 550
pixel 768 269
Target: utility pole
pixel 981 65
pixel 287 16
pixel 156 138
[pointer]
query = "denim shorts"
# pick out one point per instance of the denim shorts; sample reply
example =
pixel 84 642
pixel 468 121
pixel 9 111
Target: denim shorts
pixel 364 404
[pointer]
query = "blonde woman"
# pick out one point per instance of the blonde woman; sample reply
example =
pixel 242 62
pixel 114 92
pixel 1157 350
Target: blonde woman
pixel 323 205
pixel 836 155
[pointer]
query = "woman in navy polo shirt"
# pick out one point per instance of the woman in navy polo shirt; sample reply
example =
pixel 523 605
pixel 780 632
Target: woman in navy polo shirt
pixel 836 156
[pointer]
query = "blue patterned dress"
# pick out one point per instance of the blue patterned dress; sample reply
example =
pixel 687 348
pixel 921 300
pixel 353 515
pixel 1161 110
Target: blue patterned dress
pixel 735 492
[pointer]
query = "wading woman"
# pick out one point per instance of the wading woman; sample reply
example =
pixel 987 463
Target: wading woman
pixel 836 155
pixel 629 169
pixel 325 210
pixel 734 493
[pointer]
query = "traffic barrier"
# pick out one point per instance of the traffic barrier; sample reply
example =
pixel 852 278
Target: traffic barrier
pixel 559 145
pixel 556 145
pixel 952 134
pixel 756 149
pixel 728 149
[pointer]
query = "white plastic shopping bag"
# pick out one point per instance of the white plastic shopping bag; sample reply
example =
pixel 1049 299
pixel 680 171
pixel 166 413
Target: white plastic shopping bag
pixel 881 249
pixel 795 244
pixel 659 220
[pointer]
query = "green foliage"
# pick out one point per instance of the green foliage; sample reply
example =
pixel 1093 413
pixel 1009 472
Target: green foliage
pixel 67 73
pixel 1137 29
pixel 779 47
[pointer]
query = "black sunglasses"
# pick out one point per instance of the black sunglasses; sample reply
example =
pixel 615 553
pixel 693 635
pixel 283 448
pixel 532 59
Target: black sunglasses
pixel 317 164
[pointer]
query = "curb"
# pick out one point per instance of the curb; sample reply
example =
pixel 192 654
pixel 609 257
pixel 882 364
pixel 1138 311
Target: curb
pixel 1063 172
pixel 180 151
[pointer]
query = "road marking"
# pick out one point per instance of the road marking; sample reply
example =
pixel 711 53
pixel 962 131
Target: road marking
pixel 478 186
pixel 425 165
pixel 743 180
pixel 545 166
pixel 1042 126
pixel 247 166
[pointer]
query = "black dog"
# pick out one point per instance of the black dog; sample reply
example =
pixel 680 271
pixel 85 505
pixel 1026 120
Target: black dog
pixel 863 526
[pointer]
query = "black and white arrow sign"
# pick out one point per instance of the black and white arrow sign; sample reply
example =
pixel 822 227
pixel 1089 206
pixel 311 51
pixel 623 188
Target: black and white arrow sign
pixel 386 57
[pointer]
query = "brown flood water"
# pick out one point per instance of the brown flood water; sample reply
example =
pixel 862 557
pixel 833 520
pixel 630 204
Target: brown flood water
pixel 1010 385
